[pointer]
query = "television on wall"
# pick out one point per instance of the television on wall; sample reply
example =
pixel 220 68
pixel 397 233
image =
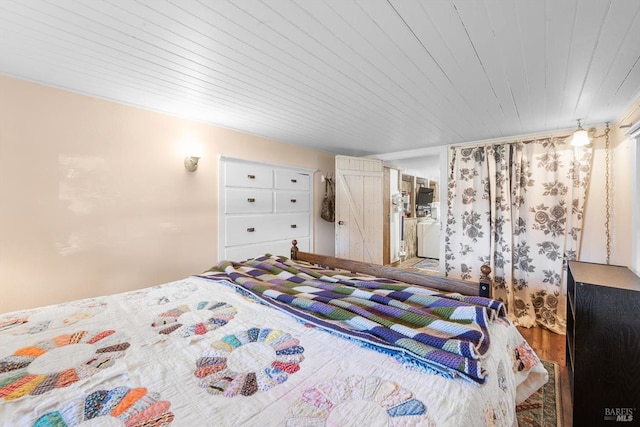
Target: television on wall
pixel 425 196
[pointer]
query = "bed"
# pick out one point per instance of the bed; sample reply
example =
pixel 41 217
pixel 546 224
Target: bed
pixel 273 341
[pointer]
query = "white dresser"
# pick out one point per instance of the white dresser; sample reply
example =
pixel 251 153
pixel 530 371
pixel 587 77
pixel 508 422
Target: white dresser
pixel 262 208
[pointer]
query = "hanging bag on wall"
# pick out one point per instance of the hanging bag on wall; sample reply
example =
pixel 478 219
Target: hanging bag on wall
pixel 328 211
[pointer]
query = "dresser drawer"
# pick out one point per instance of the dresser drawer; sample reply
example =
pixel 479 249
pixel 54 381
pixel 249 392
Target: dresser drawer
pixel 242 230
pixel 280 247
pixel 292 225
pixel 247 200
pixel 289 180
pixel 292 201
pixel 248 175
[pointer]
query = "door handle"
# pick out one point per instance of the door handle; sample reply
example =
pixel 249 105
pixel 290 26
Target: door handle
pixel 340 222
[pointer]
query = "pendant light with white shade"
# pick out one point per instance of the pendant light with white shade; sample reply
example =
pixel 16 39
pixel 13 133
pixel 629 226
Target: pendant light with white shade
pixel 580 137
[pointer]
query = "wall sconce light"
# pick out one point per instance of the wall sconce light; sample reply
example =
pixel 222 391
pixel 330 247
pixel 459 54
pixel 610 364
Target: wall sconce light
pixel 191 163
pixel 580 137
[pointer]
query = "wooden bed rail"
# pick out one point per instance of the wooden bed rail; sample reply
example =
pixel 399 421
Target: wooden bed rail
pixel 415 278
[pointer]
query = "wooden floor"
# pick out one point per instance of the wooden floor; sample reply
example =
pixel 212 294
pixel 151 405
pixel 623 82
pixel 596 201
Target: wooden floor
pixel 551 347
pixel 547 345
pixel 407 263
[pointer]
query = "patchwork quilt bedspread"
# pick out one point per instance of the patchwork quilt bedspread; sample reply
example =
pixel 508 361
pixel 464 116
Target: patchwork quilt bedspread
pixel 204 352
pixel 445 333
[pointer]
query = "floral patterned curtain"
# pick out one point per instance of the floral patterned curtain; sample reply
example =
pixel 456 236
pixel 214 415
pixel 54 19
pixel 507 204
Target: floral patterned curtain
pixel 518 207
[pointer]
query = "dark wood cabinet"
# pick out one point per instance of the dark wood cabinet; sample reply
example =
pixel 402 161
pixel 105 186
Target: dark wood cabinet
pixel 603 344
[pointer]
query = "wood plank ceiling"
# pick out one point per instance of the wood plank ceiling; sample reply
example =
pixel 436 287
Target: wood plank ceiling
pixel 351 77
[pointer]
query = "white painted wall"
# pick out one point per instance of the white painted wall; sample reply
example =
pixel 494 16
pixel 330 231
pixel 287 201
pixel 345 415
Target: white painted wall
pixel 422 166
pixel 634 136
pixel 594 247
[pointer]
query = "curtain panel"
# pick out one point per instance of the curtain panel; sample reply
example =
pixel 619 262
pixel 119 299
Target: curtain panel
pixel 518 207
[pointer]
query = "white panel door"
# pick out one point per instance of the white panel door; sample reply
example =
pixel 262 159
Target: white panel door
pixel 359 209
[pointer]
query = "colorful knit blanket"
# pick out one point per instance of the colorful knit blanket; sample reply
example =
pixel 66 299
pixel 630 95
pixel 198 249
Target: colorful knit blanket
pixel 445 333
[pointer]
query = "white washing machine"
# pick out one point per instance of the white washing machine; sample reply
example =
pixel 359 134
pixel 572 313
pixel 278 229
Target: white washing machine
pixel 429 239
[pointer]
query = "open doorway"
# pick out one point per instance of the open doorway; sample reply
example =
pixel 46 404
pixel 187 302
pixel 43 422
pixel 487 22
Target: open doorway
pixel 423 184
